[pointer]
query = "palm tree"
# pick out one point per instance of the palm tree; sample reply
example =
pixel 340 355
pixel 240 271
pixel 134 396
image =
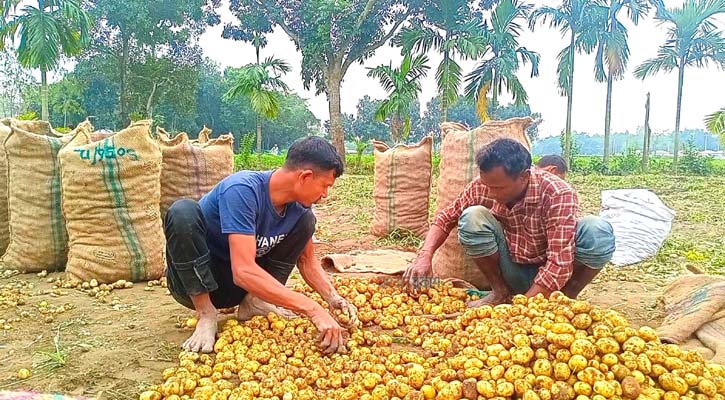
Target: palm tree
pixel 715 123
pixel 450 28
pixel 261 84
pixel 53 29
pixel 403 86
pixel 501 67
pixel 582 20
pixel 613 54
pixel 692 40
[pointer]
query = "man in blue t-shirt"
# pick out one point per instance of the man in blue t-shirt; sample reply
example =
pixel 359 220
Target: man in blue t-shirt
pixel 238 245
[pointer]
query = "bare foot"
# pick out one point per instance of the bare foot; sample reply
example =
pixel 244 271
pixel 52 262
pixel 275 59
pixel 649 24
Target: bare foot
pixel 204 336
pixel 252 306
pixel 492 299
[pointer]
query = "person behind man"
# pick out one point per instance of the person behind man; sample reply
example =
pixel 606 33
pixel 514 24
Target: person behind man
pixel 519 225
pixel 554 164
pixel 240 242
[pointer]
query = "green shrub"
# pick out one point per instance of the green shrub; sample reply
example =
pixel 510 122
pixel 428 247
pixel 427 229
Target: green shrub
pixel 628 164
pixel 587 165
pixel 693 162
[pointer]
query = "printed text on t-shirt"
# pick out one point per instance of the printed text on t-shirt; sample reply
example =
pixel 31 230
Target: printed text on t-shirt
pixel 265 244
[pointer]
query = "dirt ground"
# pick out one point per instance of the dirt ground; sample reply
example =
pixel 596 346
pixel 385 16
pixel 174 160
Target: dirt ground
pixel 113 349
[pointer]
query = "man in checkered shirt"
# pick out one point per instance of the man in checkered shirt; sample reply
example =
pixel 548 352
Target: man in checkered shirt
pixel 521 227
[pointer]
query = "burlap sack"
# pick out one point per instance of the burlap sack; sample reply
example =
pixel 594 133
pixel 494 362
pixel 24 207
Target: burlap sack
pixel 204 135
pixel 457 169
pixel 380 261
pixel 4 231
pixel 402 187
pixel 695 314
pixel 179 138
pixel 690 302
pixel 190 170
pixel 712 335
pixel 161 134
pixel 111 194
pixel 37 235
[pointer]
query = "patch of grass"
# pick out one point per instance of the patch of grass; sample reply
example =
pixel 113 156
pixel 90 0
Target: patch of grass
pixel 167 351
pixel 53 359
pixel 400 238
pixel 348 209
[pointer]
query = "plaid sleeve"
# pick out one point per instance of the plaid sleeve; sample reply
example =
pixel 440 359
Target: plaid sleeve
pixel 561 220
pixel 474 194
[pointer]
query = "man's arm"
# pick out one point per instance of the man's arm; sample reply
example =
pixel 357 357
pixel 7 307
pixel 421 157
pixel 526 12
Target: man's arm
pixel 561 233
pixel 474 194
pixel 256 281
pixel 443 223
pixel 252 278
pixel 313 274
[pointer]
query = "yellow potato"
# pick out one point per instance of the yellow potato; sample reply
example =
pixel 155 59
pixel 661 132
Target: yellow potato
pixel 707 387
pixel 604 388
pixel 561 371
pixel 582 388
pixel 577 363
pixel 150 395
pixel 505 389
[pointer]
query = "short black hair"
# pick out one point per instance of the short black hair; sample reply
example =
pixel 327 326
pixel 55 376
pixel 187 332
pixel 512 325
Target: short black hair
pixel 555 160
pixel 506 153
pixel 314 152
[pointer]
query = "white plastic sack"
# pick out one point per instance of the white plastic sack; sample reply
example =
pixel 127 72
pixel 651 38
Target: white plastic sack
pixel 641 223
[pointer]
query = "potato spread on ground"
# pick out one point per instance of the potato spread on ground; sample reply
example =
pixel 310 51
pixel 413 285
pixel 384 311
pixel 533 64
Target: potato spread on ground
pixel 533 349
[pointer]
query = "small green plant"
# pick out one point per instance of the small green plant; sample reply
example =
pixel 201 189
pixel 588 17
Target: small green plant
pixel 246 144
pixel 28 116
pixel 159 120
pixel 135 116
pixel 360 147
pixel 54 359
pixel 575 147
pixel 63 129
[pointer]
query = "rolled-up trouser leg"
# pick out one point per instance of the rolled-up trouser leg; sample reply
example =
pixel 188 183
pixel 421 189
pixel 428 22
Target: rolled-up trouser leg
pixel 189 267
pixel 481 235
pixel 594 242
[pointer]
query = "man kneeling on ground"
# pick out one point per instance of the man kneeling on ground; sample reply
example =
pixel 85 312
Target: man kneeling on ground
pixel 520 226
pixel 240 242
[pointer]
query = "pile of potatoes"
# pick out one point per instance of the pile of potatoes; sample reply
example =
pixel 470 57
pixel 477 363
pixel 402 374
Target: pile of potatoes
pixel 532 349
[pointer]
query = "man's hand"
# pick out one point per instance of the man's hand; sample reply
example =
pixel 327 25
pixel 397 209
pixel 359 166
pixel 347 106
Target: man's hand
pixel 331 338
pixel 419 269
pixel 536 289
pixel 338 302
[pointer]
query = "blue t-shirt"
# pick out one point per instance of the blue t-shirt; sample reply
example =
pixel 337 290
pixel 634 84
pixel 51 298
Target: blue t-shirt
pixel 240 203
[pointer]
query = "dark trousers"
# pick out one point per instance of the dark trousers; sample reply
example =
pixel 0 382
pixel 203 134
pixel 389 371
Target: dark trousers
pixel 192 270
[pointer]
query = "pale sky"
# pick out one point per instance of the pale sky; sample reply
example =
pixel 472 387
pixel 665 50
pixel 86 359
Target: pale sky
pixel 704 89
